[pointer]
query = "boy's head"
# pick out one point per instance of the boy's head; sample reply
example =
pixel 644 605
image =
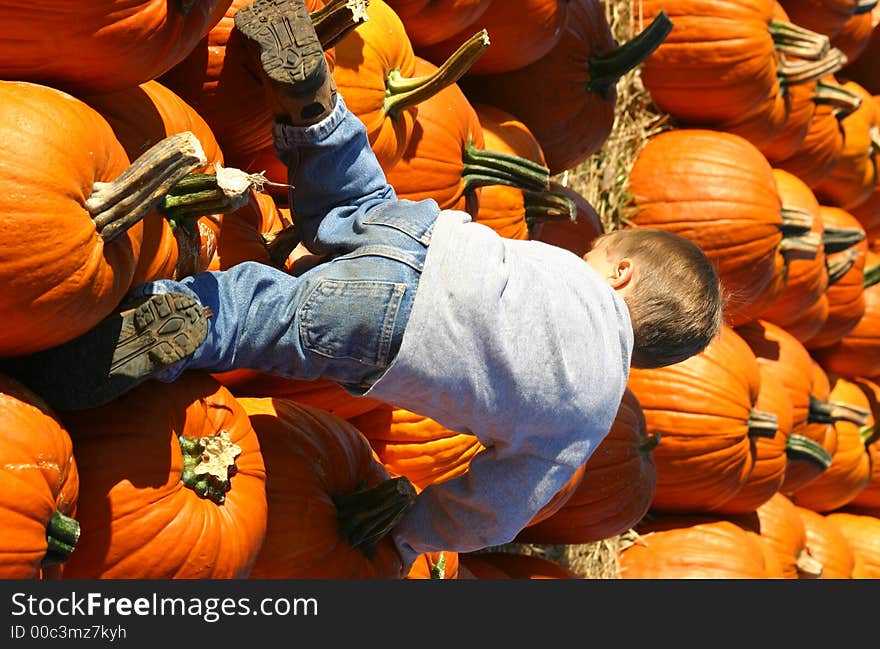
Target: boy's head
pixel 671 288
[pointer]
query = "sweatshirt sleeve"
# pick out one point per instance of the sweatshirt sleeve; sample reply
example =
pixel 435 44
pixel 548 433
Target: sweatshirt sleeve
pixel 501 492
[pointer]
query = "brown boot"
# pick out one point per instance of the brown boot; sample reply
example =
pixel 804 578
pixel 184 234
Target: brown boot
pixel 282 41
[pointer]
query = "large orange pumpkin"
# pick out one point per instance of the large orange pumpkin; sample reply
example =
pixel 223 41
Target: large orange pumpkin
pixel 431 21
pixel 39 485
pixel 827 545
pixel 172 484
pixel 511 565
pixel 862 530
pixel 312 457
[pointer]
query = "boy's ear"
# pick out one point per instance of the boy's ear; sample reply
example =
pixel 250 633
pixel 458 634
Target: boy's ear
pixel 621 273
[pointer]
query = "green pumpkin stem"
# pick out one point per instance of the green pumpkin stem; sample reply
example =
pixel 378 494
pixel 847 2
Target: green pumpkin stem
pixel 547 205
pixel 336 19
pixel 762 424
pixel 366 516
pixel 804 246
pixel 872 276
pixel 209 464
pixel 843 100
pixel 864 6
pixel 798 41
pixel 829 412
pixel 792 72
pixel 198 195
pixel 403 92
pixel 869 434
pixel 795 220
pixel 841 265
pixel 651 441
pixel 606 69
pixel 438 570
pixel 118 205
pixel 62 534
pixel 798 447
pixel 839 239
pixel 484 167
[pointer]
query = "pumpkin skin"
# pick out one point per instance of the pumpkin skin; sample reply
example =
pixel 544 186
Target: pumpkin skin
pixel 863 69
pixel 806 279
pixel 435 565
pixel 522 31
pixel 100 46
pixel 139 519
pixel 846 299
pixel 869 497
pixel 241 235
pixel 850 469
pixel 697 183
pixel 857 353
pixel 141 117
pixel 617 487
pixel 827 545
pixel 431 21
pixel 701 408
pixel 310 456
pixel 54 266
pixel 38 476
pixel 855 35
pixel 509 565
pixel 693 547
pixel 862 530
pixel 823 16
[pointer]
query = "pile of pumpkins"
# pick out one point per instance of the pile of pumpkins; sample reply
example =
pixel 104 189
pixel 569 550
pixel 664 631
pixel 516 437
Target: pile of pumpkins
pixel 757 458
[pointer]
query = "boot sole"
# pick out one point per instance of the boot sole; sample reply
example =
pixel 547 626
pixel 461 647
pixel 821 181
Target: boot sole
pixel 120 352
pixel 289 49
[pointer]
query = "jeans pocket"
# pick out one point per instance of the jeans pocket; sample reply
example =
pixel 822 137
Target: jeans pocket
pixel 414 218
pixel 351 319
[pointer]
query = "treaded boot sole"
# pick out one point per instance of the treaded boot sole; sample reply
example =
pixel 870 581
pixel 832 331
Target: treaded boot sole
pixel 119 353
pixel 290 52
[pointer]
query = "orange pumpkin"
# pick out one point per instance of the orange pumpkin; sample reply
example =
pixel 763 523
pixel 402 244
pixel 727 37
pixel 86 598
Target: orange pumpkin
pixel 575 235
pixel 616 489
pixel 869 497
pixel 185 493
pixel 39 485
pixel 431 21
pixel 434 565
pixel 827 545
pixel 510 565
pixel 311 458
pixel 862 530
pixel 55 266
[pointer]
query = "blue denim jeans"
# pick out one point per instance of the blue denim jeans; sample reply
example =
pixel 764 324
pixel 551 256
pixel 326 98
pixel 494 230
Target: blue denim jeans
pixel 342 320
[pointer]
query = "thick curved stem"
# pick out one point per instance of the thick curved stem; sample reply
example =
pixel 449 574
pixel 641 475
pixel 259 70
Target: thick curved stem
pixel 606 69
pixel 403 92
pixel 209 464
pixel 795 220
pixel 649 443
pixel 486 167
pixel 839 239
pixel 547 205
pixel 872 276
pixel 841 265
pixel 804 246
pixel 864 6
pixel 62 533
pixel 367 516
pixel 198 195
pixel 792 72
pixel 830 412
pixel 280 243
pixel 118 205
pixel 762 424
pixel 336 19
pixel 807 566
pixel 798 447
pixel 842 100
pixel 799 41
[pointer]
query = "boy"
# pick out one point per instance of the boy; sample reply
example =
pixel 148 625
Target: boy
pixel 517 342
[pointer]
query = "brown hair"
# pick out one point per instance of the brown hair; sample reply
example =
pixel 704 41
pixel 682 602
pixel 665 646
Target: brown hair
pixel 677 303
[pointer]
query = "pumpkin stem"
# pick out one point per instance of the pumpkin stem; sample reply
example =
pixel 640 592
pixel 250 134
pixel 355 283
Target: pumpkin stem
pixel 829 412
pixel 62 533
pixel 799 41
pixel 762 424
pixel 872 276
pixel 839 239
pixel 336 19
pixel 280 243
pixel 798 447
pixel 367 515
pixel 841 265
pixel 864 6
pixel 800 71
pixel 869 434
pixel 605 69
pixel 874 132
pixel 795 220
pixel 651 441
pixel 118 205
pixel 843 100
pixel 208 464
pixel 198 195
pixel 547 205
pixel 485 167
pixel 404 92
pixel 808 567
pixel 805 246
pixel 438 570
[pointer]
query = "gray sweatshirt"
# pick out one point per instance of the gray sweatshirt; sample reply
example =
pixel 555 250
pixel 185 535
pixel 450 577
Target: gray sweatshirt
pixel 521 344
